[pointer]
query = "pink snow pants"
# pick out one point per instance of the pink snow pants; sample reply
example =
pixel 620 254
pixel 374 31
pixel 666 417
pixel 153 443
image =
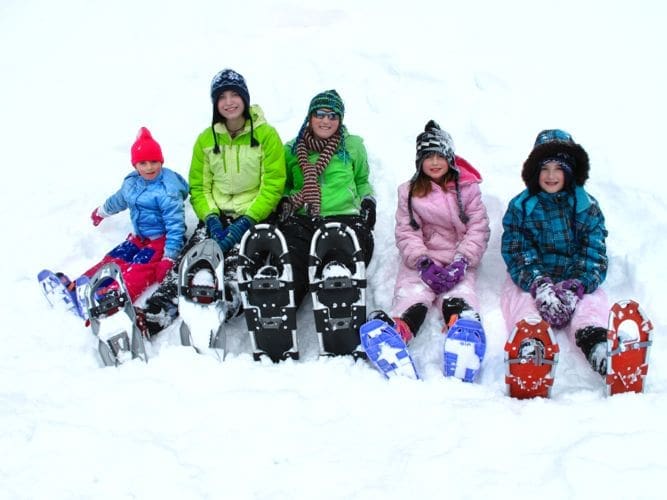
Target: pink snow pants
pixel 137 258
pixel 410 290
pixel 592 309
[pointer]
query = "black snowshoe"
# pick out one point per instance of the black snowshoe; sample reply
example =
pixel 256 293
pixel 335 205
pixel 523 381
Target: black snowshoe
pixel 337 275
pixel 265 281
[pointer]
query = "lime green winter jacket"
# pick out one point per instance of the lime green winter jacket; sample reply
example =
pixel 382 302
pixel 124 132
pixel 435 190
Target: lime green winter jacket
pixel 240 180
pixel 343 183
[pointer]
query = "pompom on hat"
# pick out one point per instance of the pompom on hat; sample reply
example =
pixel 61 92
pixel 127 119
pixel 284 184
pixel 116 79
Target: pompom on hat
pixel 145 148
pixel 435 140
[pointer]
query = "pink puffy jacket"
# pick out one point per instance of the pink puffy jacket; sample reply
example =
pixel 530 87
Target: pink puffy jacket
pixel 442 234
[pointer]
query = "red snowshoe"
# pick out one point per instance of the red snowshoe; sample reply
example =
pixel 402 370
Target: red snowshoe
pixel 628 342
pixel 531 355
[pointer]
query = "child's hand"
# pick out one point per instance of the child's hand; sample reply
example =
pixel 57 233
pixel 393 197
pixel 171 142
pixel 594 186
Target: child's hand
pixel 96 217
pixel 549 303
pixel 235 232
pixel 367 212
pixel 433 275
pixel 215 229
pixel 455 272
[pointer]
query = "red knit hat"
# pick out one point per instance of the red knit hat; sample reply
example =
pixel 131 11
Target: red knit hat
pixel 145 148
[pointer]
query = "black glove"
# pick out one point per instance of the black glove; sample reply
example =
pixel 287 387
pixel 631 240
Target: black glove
pixel 284 209
pixel 367 211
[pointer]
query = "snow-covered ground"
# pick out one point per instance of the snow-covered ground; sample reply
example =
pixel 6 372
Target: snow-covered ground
pixel 80 78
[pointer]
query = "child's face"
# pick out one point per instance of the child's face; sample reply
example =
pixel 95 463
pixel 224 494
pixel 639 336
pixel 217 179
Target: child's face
pixel 552 177
pixel 230 105
pixel 149 170
pixel 435 166
pixel 324 123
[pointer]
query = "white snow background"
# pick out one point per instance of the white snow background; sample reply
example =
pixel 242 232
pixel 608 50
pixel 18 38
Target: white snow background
pixel 78 79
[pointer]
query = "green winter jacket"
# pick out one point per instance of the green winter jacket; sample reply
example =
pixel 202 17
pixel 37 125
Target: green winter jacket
pixel 343 183
pixel 240 180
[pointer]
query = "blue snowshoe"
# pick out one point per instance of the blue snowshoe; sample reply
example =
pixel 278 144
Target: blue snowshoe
pixel 386 349
pixel 465 346
pixel 55 289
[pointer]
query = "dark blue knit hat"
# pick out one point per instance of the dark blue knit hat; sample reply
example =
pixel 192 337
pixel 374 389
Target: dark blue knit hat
pixel 228 79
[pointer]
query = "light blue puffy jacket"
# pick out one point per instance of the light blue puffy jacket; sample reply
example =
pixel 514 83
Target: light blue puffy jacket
pixel 156 207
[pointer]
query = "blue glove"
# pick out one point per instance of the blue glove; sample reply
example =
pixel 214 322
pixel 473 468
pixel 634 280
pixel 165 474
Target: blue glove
pixel 235 232
pixel 215 229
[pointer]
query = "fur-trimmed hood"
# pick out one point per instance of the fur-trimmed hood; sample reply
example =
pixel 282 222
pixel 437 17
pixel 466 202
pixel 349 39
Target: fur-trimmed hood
pixel 549 143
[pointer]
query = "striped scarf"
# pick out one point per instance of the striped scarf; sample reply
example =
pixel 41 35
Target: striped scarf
pixel 310 194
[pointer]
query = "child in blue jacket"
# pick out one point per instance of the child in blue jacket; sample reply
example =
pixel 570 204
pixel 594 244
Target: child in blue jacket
pixel 155 196
pixel 554 247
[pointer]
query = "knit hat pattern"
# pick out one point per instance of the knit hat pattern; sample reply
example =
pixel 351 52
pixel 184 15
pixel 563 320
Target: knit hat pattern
pixel 557 145
pixel 328 99
pixel 435 140
pixel 228 79
pixel 145 148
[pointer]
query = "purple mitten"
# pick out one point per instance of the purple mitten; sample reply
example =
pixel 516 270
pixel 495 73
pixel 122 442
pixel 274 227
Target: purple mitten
pixel 455 272
pixel 573 285
pixel 432 274
pixel 549 304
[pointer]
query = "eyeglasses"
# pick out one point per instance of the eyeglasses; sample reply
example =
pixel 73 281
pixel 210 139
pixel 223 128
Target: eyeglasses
pixel 321 115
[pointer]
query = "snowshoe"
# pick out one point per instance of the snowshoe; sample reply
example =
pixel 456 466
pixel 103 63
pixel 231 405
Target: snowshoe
pixel 55 289
pixel 112 316
pixel 628 343
pixel 337 275
pixel 265 281
pixel 201 299
pixel 531 355
pixel 386 349
pixel 465 346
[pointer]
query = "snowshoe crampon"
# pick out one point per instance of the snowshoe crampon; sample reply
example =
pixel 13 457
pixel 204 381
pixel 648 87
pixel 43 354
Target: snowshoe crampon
pixel 112 316
pixel 386 349
pixel 337 275
pixel 201 299
pixel 265 281
pixel 54 287
pixel 465 346
pixel 531 355
pixel 628 343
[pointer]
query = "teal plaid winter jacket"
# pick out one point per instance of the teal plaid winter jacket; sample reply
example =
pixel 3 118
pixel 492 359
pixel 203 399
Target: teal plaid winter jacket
pixel 559 235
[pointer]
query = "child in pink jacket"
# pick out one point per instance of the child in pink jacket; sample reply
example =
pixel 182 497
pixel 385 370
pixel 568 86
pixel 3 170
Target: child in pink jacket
pixel 442 231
